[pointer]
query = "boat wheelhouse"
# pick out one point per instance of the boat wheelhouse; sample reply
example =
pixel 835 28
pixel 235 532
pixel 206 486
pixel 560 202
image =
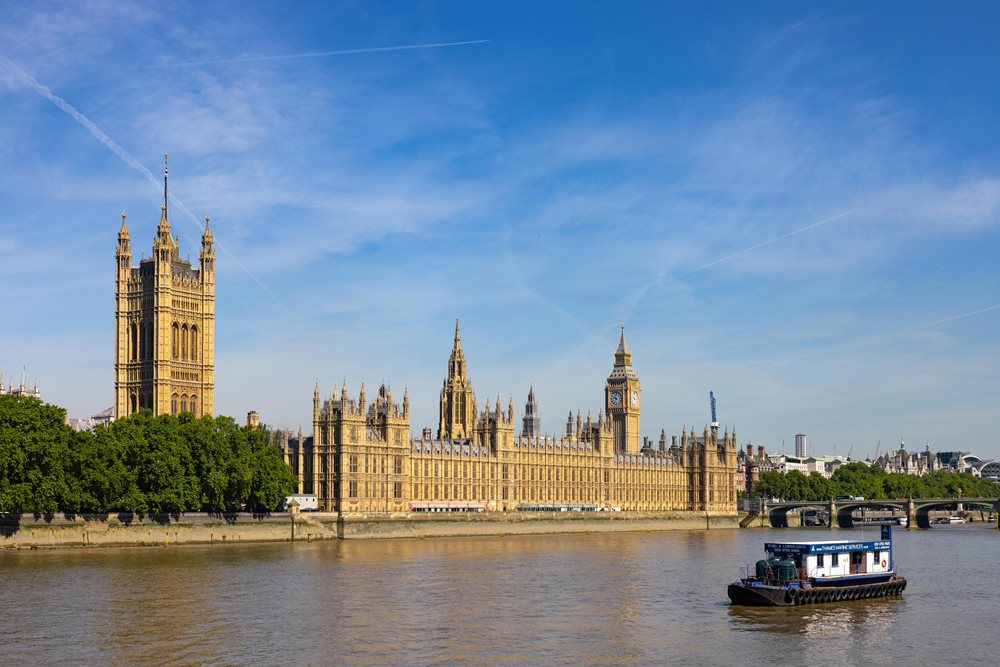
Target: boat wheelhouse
pixel 835 562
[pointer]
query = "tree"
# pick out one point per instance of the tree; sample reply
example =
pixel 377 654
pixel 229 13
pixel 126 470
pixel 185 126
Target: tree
pixel 139 464
pixel 34 443
pixel 272 479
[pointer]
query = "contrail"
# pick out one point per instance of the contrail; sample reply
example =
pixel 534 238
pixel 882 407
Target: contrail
pixel 127 159
pixel 639 294
pixel 955 317
pixel 82 120
pixel 321 54
pixel 767 242
pixel 889 334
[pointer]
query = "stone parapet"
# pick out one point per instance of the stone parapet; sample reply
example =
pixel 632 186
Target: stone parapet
pixel 31 531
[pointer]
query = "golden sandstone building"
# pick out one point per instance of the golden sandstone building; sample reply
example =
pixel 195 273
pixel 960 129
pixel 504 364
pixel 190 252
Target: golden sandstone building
pixel 164 325
pixel 361 457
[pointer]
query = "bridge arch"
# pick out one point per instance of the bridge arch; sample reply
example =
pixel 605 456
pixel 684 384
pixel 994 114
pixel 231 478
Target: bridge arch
pixel 923 508
pixel 917 511
pixel 846 508
pixel 777 513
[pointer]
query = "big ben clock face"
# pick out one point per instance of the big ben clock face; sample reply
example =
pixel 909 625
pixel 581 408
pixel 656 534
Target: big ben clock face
pixel 635 398
pixel 616 398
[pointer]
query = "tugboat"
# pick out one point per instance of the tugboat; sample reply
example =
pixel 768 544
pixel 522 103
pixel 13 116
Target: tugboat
pixel 796 573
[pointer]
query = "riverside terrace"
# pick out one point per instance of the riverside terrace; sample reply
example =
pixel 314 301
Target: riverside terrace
pixel 917 510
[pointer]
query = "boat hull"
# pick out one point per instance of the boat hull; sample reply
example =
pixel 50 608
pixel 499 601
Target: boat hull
pixel 745 594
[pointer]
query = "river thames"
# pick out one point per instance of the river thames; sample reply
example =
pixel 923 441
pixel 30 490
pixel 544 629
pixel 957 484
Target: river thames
pixel 598 599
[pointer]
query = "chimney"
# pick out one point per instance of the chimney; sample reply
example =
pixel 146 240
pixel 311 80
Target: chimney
pixel 426 434
pixel 760 451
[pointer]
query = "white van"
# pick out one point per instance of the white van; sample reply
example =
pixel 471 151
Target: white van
pixel 308 502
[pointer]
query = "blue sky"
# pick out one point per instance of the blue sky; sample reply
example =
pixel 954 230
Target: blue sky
pixel 792 204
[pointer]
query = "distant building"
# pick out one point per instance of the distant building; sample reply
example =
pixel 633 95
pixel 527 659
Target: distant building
pixel 532 421
pixel 103 417
pixel 749 467
pixel 990 470
pixel 901 461
pixel 20 390
pixel 801 445
pixel 966 462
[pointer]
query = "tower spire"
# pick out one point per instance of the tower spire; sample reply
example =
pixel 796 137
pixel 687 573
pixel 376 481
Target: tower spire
pixel 458 337
pixel 623 356
pixel 165 185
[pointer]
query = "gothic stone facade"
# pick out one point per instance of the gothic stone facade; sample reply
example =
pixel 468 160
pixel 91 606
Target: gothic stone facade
pixel 361 457
pixel 164 326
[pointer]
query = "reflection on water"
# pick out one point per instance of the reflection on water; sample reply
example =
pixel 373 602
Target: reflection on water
pixel 634 599
pixel 830 619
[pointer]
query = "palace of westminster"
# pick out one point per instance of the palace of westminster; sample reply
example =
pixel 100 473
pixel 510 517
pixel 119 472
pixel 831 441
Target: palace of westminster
pixel 362 456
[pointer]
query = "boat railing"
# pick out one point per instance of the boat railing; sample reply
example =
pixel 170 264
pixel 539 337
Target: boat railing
pixel 771 577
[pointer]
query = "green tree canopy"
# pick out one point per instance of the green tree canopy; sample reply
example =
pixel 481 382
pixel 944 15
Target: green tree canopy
pixel 138 464
pixel 862 480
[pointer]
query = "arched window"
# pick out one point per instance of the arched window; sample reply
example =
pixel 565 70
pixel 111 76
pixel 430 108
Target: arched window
pixel 194 343
pixel 184 403
pixel 133 401
pixel 149 341
pixel 139 403
pixel 173 404
pixel 193 404
pixel 184 342
pixel 134 343
pixel 174 332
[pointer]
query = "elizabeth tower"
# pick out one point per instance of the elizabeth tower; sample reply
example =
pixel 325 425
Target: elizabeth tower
pixel 621 400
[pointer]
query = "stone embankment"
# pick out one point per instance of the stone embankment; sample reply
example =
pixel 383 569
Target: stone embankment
pixel 34 531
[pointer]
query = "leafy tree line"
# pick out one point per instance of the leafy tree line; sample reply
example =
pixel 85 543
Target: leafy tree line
pixel 871 482
pixel 138 464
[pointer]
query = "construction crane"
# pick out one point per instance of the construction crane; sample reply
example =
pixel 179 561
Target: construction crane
pixel 715 420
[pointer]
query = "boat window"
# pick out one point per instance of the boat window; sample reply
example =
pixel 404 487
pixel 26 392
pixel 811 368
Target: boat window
pixel 819 560
pixel 835 560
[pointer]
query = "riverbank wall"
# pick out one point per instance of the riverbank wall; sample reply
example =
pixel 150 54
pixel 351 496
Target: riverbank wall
pixel 45 531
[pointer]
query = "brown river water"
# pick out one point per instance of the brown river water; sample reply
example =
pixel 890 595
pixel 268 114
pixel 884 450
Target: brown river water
pixel 607 599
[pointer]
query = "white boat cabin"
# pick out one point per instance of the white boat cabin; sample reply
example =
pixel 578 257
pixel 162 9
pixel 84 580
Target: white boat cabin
pixel 835 559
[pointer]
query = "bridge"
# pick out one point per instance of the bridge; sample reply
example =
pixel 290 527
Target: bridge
pixel 841 511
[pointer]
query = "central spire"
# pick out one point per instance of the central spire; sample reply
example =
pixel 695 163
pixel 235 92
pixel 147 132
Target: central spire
pixel 623 356
pixel 165 199
pixel 163 229
pixel 456 362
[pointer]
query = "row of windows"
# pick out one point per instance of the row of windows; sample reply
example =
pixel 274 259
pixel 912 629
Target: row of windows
pixel 178 403
pixel 371 464
pixel 665 498
pixel 183 341
pixel 377 489
pixel 140 341
pixel 375 463
pixel 183 403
